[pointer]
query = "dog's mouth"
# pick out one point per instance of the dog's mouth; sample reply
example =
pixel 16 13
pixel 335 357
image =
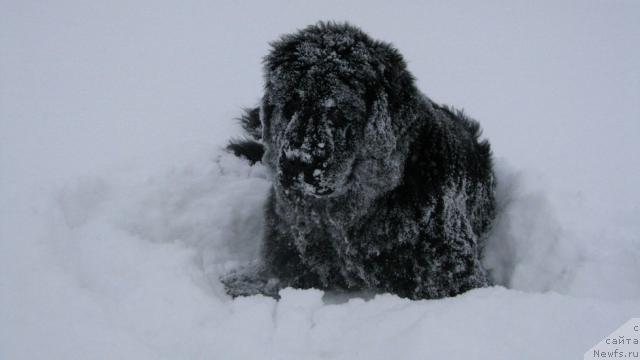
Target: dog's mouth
pixel 306 174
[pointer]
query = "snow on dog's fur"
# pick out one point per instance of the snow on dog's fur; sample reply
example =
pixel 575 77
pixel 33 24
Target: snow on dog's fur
pixel 375 187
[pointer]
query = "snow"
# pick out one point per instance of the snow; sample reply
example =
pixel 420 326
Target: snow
pixel 120 211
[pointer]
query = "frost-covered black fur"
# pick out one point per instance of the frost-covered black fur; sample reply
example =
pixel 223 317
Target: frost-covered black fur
pixel 376 187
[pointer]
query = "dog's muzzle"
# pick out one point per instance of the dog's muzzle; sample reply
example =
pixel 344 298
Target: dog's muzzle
pixel 303 172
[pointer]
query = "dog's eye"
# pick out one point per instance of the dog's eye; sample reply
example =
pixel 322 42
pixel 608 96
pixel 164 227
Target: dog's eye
pixel 290 108
pixel 336 117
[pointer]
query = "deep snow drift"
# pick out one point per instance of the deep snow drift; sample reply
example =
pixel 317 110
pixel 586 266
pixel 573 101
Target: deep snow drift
pixel 127 266
pixel 119 210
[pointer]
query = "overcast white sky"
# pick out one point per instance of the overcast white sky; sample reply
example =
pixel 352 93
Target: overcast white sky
pixel 87 85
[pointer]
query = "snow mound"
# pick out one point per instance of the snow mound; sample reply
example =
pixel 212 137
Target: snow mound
pixel 129 269
pixel 214 206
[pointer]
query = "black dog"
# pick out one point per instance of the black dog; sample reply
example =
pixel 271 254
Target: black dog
pixel 376 187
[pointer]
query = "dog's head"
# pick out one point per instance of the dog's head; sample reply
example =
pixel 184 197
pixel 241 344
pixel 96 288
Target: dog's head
pixel 332 98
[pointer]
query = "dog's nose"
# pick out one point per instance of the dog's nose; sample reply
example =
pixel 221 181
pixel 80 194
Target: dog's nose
pixel 303 171
pixel 299 168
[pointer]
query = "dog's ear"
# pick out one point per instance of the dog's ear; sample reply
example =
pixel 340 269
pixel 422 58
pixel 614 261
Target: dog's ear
pixel 379 135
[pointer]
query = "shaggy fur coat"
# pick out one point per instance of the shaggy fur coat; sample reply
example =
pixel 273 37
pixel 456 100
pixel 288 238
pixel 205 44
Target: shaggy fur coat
pixel 375 186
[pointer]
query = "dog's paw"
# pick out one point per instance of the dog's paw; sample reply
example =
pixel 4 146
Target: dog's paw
pixel 250 280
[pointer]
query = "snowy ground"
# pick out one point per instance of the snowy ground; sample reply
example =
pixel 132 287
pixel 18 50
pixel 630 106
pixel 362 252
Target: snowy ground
pixel 119 210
